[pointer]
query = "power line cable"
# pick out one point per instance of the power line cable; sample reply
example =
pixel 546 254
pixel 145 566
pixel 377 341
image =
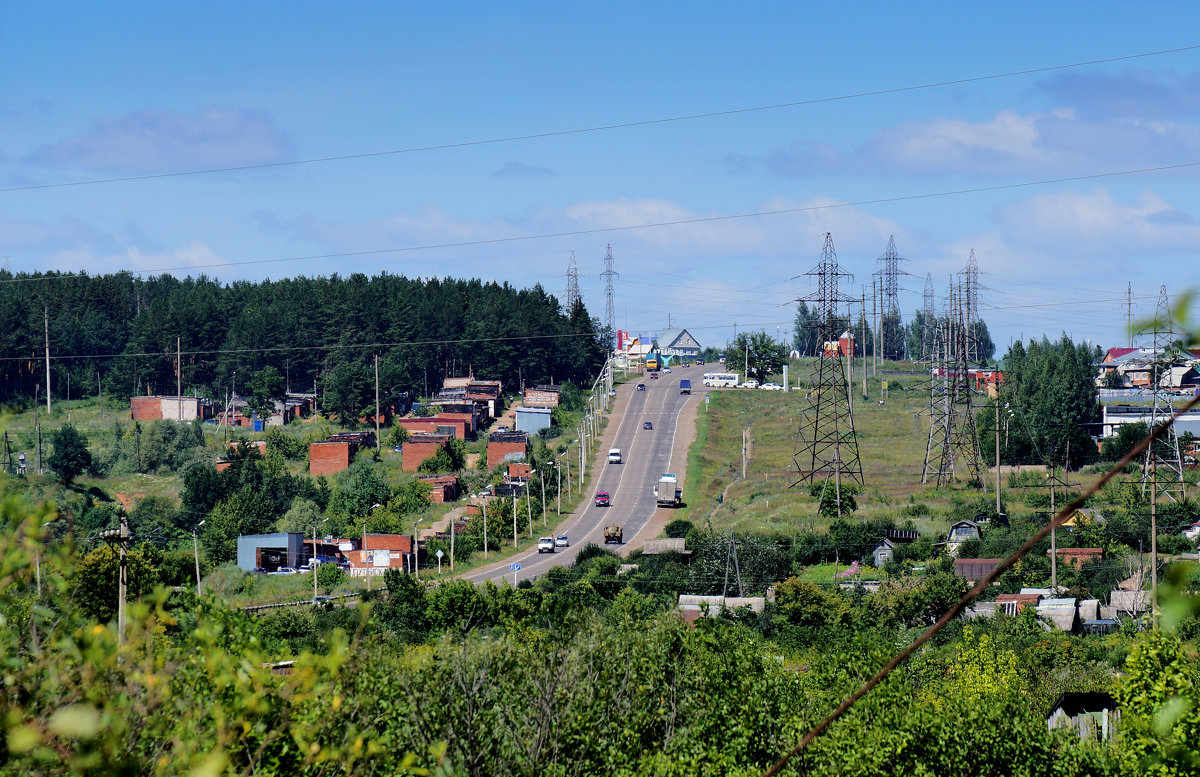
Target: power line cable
pixel 606 127
pixel 633 227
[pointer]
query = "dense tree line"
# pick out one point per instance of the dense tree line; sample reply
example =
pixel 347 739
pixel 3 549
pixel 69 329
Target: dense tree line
pixel 1051 390
pixel 123 329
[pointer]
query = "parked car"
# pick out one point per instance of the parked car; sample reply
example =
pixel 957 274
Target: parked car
pixel 750 384
pixel 285 571
pixel 501 428
pixel 261 570
pixel 602 499
pixel 562 541
pixel 641 387
pixel 322 601
pixel 647 425
pixel 545 545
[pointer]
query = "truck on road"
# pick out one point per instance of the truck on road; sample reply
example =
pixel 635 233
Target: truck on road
pixel 667 492
pixel 685 386
pixel 613 533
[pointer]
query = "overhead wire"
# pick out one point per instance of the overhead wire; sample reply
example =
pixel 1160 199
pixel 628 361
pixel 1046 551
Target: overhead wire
pixel 606 127
pixel 633 227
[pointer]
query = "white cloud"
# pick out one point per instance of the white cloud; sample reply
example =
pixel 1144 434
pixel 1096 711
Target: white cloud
pixel 158 140
pixel 1058 142
pixel 1095 224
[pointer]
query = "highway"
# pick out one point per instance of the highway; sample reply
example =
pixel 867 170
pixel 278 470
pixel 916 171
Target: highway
pixel 646 455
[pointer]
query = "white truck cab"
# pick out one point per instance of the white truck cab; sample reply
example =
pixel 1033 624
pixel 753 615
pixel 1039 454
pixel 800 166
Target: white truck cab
pixel 614 456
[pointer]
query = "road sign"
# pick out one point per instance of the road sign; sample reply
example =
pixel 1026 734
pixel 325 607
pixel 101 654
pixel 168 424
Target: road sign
pixel 439 554
pixel 515 567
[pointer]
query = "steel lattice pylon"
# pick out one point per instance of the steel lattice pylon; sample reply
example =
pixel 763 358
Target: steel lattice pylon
pixel 929 330
pixel 970 275
pixel 889 284
pixel 826 445
pixel 957 437
pixel 1162 467
pixel 572 283
pixel 610 316
pixel 939 402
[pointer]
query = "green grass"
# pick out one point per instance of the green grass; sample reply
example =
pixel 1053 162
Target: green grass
pixel 891 449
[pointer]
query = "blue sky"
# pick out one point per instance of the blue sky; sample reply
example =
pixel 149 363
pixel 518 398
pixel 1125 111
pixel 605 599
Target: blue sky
pixel 134 89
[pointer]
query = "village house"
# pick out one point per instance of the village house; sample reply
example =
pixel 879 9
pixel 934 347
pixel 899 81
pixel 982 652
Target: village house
pixel 419 447
pixel 170 409
pixel 506 446
pixel 379 552
pixel 337 452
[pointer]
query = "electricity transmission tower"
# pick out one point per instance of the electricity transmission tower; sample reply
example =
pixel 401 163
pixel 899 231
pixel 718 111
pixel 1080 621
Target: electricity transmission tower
pixel 826 445
pixel 929 330
pixel 957 437
pixel 1162 467
pixel 889 285
pixel 610 316
pixel 572 283
pixel 970 282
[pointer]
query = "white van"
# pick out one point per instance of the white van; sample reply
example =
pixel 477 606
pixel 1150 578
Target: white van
pixel 614 456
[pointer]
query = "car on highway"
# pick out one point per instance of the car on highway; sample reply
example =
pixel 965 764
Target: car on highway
pixel 751 384
pixel 654 376
pixel 545 544
pixel 771 387
pixel 562 541
pixel 641 387
pixel 666 369
pixel 602 499
pixel 284 571
pixel 647 425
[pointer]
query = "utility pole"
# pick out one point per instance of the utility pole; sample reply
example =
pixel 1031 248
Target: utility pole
pixel 1053 538
pixel 863 349
pixel 875 330
pixel 377 402
pixel 366 558
pixel 514 512
pixel 542 477
pixel 46 313
pixel 121 538
pixel 997 433
pixel 453 521
pixel 485 547
pixel 196 554
pixel 747 357
pixel 99 395
pixel 1129 312
pixel 179 378
pixel 529 508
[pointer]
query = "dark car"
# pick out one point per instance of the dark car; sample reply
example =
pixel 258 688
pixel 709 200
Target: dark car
pixel 602 499
pixel 647 425
pixel 654 376
pixel 641 387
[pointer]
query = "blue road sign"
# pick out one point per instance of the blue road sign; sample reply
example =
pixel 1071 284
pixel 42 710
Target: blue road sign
pixel 515 567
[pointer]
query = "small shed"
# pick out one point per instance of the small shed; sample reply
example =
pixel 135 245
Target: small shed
pixel 960 532
pixel 1062 614
pixel 532 419
pixel 975 569
pixel 1093 715
pixel 883 552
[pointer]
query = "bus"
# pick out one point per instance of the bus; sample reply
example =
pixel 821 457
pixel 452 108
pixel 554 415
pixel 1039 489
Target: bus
pixel 719 379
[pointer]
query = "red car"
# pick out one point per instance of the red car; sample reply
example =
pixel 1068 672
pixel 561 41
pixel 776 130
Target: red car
pixel 602 499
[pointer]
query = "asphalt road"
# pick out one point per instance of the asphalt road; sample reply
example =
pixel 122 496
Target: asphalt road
pixel 646 455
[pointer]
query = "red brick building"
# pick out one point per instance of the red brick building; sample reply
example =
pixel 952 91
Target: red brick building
pixel 519 470
pixel 169 408
pixel 444 488
pixel 420 447
pixel 335 454
pixel 379 552
pixel 1077 557
pixel 505 444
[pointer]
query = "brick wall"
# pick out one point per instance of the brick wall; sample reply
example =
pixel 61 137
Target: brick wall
pixel 328 458
pixel 145 408
pixel 416 452
pixel 498 450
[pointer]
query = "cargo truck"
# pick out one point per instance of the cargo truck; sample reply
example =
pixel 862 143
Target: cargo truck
pixel 653 362
pixel 668 493
pixel 613 533
pixel 685 386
